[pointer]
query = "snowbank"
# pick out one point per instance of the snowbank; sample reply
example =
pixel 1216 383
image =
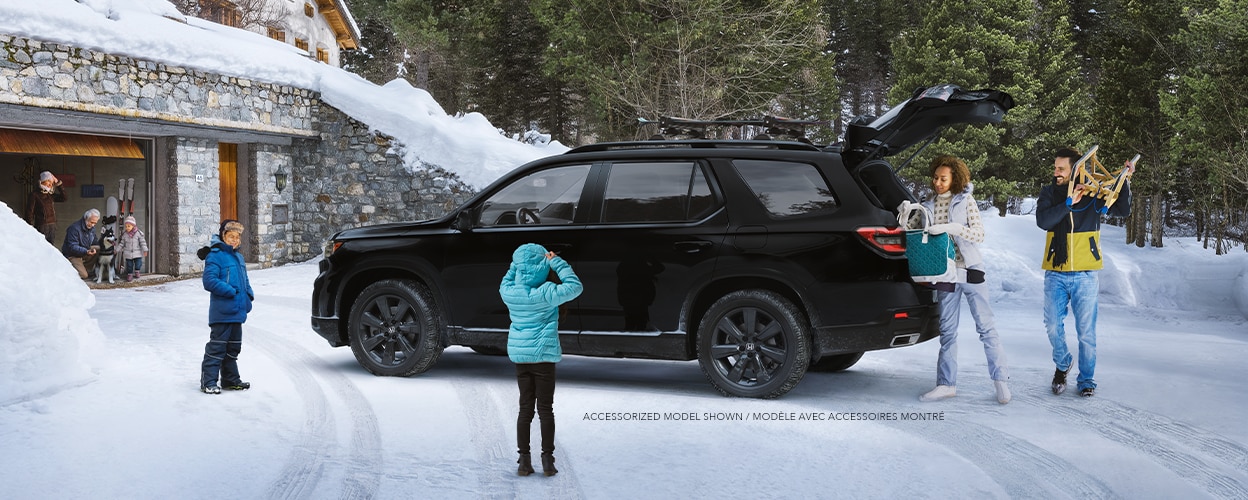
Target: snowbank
pixel 44 325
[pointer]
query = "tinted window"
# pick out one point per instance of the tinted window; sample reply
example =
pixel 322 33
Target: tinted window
pixel 787 188
pixel 552 194
pixel 656 192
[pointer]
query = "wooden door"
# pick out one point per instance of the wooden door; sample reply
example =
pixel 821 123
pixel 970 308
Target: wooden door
pixel 228 160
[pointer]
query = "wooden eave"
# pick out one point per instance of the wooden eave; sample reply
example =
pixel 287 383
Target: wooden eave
pixel 346 37
pixel 62 144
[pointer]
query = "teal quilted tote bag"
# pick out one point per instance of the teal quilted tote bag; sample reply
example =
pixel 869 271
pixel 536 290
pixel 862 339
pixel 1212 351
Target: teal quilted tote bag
pixel 932 256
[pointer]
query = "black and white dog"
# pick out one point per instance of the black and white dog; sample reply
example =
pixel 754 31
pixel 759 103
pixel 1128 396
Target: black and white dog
pixel 107 249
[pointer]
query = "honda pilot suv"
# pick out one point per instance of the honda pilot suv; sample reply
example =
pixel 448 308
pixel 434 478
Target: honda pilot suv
pixel 761 259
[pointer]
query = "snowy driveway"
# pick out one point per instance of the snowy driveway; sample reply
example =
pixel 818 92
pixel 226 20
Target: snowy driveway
pixel 1166 422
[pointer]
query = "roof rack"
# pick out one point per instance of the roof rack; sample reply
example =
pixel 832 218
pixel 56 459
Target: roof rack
pixel 696 143
pixel 696 129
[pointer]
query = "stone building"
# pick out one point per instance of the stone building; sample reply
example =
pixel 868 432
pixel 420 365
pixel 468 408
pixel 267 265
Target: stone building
pixel 201 147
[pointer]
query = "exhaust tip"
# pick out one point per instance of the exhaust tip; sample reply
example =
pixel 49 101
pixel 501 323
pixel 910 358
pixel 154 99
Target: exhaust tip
pixel 904 340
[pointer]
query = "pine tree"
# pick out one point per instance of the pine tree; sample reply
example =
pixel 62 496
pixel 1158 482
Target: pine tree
pixel 1208 108
pixel 979 44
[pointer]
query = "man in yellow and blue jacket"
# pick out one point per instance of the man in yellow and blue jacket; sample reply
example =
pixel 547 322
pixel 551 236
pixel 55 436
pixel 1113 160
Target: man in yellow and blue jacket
pixel 1072 258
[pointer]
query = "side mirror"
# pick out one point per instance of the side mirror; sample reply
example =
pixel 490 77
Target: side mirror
pixel 463 221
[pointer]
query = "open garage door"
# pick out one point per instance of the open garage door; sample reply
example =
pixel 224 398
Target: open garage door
pixel 90 166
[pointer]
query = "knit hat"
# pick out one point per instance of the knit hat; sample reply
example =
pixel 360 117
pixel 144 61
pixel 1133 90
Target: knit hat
pixel 228 225
pixel 130 220
pixel 46 176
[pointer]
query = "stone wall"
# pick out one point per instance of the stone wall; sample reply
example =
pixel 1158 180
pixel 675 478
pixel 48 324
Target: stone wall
pixel 57 76
pixel 197 211
pixel 353 176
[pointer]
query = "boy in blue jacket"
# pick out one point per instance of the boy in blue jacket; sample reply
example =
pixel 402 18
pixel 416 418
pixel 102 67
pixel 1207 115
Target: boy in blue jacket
pixel 533 341
pixel 225 276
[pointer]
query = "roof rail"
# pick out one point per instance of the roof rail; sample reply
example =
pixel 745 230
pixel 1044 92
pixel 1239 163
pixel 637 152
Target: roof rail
pixel 697 143
pixel 696 129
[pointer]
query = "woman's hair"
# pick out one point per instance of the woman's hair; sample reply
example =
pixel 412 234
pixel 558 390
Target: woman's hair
pixel 961 175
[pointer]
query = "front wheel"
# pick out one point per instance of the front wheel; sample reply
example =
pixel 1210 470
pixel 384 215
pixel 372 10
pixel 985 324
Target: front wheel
pixel 394 328
pixel 754 343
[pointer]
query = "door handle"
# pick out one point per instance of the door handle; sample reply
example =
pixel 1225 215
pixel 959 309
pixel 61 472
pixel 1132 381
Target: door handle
pixel 558 248
pixel 692 246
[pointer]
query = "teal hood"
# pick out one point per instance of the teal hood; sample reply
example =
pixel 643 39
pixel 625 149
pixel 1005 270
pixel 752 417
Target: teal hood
pixel 530 264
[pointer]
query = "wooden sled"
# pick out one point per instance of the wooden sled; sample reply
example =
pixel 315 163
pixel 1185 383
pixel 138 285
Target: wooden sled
pixel 1098 181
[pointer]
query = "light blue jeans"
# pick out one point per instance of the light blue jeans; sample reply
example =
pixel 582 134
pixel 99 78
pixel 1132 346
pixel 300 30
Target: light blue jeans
pixel 950 310
pixel 1078 290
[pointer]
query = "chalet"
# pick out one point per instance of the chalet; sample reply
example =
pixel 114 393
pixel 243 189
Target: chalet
pixel 203 146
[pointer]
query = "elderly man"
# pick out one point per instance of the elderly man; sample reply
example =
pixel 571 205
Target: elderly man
pixel 79 246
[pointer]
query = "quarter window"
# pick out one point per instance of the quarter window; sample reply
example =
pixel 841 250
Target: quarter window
pixel 786 188
pixel 656 192
pixel 546 197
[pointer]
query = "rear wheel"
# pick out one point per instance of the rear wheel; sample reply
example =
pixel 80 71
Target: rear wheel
pixel 839 362
pixel 394 328
pixel 754 343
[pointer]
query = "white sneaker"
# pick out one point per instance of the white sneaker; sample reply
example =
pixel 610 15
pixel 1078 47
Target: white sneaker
pixel 939 393
pixel 1003 392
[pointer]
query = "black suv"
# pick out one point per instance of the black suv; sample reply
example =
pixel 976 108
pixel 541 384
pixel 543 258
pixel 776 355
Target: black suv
pixel 760 259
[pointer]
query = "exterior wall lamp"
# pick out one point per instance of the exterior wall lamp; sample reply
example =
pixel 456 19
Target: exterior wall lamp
pixel 280 178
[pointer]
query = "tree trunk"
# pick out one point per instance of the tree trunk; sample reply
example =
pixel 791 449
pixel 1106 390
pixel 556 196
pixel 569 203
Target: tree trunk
pixel 1141 220
pixel 1158 227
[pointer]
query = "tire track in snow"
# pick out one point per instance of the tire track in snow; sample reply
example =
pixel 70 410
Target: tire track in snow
pixel 306 464
pixel 492 445
pixel 1121 423
pixel 364 466
pixel 1017 465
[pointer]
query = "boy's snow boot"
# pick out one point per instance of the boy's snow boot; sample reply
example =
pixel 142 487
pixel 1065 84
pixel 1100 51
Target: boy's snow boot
pixel 548 464
pixel 240 386
pixel 1003 391
pixel 1087 392
pixel 1059 379
pixel 210 389
pixel 939 393
pixel 526 465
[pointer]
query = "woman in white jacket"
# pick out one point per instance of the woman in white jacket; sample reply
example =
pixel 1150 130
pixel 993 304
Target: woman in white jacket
pixel 954 212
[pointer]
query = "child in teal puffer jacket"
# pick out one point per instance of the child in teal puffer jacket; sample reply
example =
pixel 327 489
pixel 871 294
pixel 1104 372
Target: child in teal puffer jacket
pixel 533 341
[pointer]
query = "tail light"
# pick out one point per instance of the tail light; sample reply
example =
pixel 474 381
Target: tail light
pixel 891 241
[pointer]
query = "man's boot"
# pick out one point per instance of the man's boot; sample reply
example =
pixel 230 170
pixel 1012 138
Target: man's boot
pixel 548 464
pixel 526 465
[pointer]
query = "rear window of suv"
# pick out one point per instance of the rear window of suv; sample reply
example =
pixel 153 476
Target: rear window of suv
pixel 656 192
pixel 787 188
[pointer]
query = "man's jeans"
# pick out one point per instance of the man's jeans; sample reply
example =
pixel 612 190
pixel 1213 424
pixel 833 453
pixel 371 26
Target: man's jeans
pixel 1078 290
pixel 950 309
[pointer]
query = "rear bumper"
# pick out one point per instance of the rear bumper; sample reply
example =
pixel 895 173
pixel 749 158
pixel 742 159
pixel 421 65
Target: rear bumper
pixel 900 327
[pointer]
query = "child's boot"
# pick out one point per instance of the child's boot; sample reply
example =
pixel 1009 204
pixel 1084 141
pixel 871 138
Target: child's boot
pixel 548 464
pixel 526 465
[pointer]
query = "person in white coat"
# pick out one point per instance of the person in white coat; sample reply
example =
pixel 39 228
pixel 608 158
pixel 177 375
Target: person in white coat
pixel 954 212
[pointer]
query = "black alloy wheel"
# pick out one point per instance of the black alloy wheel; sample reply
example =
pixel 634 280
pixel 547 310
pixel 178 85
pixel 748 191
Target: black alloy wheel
pixel 754 343
pixel 394 328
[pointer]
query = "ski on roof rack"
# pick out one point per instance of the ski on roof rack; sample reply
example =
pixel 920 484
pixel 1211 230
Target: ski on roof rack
pixel 696 129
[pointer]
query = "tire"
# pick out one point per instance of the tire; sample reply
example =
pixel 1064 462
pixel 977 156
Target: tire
pixel 488 351
pixel 837 363
pixel 754 343
pixel 394 328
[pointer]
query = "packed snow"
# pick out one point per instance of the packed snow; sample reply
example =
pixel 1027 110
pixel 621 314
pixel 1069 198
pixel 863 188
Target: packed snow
pixel 100 399
pixel 467 145
pixel 99 389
